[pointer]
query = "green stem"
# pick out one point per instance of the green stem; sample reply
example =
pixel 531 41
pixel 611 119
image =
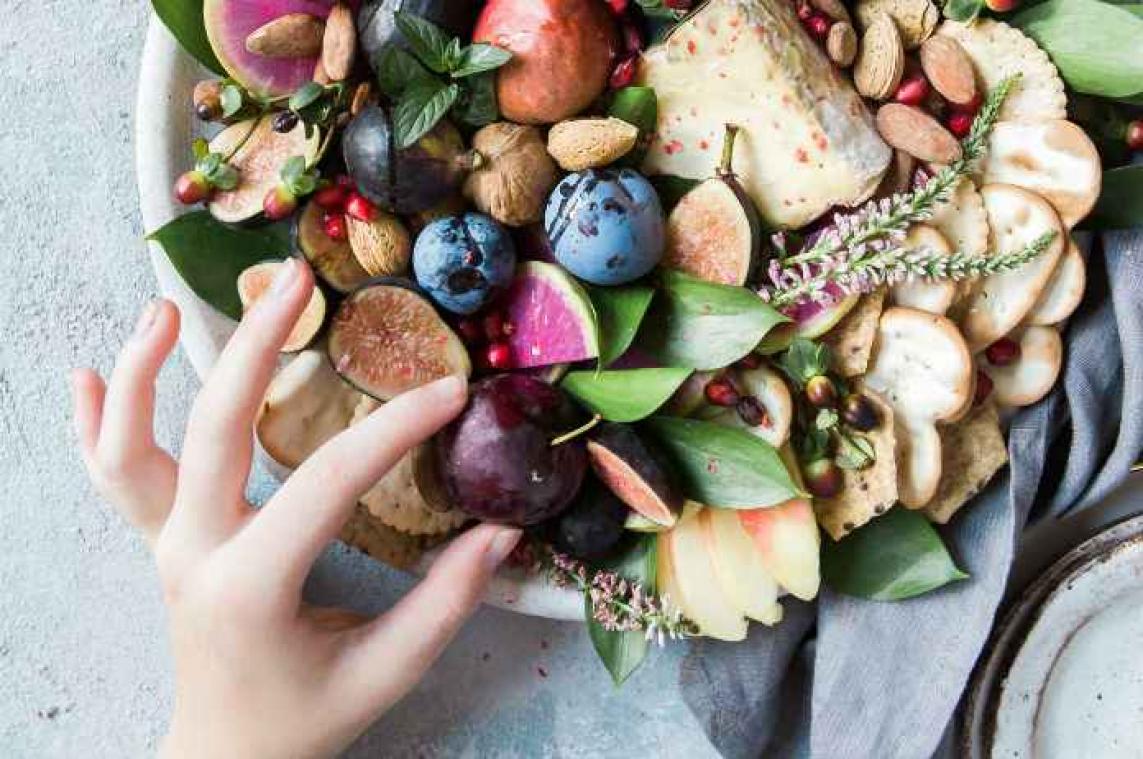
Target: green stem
pixel 572 435
pixel 726 162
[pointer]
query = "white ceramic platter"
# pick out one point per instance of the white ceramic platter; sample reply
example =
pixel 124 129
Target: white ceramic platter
pixel 164 128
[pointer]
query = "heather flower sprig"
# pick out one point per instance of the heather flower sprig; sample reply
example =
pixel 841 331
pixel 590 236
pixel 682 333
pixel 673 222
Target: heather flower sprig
pixel 617 604
pixel 888 265
pixel 893 216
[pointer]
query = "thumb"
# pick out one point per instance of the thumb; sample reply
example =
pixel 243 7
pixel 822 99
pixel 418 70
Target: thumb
pixel 395 650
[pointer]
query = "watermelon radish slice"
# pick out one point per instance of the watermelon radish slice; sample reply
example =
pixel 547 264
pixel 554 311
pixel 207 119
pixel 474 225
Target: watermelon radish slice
pixel 808 319
pixel 230 22
pixel 553 321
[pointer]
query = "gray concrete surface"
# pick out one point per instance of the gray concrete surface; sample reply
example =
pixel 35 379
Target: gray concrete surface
pixel 83 659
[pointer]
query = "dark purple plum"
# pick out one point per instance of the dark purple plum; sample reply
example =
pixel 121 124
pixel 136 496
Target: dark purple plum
pixel 594 524
pixel 497 457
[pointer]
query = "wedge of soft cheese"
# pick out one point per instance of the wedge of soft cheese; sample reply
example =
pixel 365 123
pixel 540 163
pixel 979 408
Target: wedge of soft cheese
pixel 807 141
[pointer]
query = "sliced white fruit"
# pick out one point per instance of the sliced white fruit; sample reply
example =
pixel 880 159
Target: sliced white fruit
pixel 934 297
pixel 1064 291
pixel 1054 159
pixel 685 558
pixel 924 371
pixel 788 540
pixel 1017 217
pixel 739 568
pixel 771 390
pixel 1031 376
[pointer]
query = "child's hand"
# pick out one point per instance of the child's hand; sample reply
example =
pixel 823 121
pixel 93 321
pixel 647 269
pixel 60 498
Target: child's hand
pixel 259 673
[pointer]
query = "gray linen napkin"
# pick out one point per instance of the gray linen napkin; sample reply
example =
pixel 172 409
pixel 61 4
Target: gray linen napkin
pixel 883 679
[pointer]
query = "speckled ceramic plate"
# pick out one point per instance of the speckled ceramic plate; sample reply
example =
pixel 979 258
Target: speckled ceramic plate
pixel 1063 676
pixel 164 129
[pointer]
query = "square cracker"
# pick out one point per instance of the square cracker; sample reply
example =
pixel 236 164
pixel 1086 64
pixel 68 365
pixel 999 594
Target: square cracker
pixel 865 493
pixel 972 451
pixel 851 339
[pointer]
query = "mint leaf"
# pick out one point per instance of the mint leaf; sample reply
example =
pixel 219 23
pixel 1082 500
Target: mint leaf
pixel 420 108
pixel 477 103
pixel 397 69
pixel 479 58
pixel 427 40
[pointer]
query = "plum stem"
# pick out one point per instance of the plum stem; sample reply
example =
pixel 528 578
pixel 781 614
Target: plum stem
pixel 569 436
pixel 725 167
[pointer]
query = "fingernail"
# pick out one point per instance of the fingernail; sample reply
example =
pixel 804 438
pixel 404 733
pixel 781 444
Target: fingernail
pixel 146 319
pixel 500 546
pixel 284 278
pixel 453 385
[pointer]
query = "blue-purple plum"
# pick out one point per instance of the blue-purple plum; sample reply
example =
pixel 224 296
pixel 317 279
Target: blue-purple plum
pixel 464 261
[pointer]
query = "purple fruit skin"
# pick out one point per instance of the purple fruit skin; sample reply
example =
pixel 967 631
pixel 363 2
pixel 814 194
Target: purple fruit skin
pixel 497 460
pixel 642 463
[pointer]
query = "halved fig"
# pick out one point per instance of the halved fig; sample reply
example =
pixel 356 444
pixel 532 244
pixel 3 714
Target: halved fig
pixel 259 153
pixel 333 260
pixel 715 233
pixel 635 472
pixel 253 284
pixel 385 339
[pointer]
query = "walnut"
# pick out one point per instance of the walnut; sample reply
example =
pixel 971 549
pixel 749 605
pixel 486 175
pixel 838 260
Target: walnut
pixel 512 182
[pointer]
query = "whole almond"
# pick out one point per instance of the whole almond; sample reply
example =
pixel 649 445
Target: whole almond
pixel 835 9
pixel 949 69
pixel 917 133
pixel 294 35
pixel 362 97
pixel 320 76
pixel 880 59
pixel 915 19
pixel 381 246
pixel 580 144
pixel 339 45
pixel 841 44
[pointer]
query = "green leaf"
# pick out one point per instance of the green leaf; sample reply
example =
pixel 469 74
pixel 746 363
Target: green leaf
pixel 803 360
pixel 398 69
pixel 305 96
pixel 185 21
pixel 200 148
pixel 896 556
pixel 1095 45
pixel 702 325
pixel 623 652
pixel 671 189
pixel 626 395
pixel 638 106
pixel 963 10
pixel 420 108
pixel 724 466
pixel 620 311
pixel 477 105
pixel 1120 204
pixel 427 40
pixel 479 58
pixel 210 255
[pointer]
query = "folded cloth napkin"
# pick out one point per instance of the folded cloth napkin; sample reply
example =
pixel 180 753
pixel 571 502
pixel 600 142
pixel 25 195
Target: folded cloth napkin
pixel 852 678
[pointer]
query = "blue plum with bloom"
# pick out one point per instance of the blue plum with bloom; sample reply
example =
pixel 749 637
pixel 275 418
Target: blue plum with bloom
pixel 464 261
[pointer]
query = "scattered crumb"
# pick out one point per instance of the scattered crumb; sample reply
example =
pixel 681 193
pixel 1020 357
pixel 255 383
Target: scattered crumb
pixel 543 672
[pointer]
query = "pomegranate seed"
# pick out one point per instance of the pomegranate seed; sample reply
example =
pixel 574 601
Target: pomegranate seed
pixel 1002 352
pixel 972 107
pixel 752 412
pixel 632 39
pixel 749 361
pixel 1134 134
pixel 498 356
pixel 333 224
pixel 494 325
pixel 679 5
pixel 470 331
pixel 623 74
pixel 983 388
pixel 912 91
pixel 618 7
pixel 721 392
pixel 359 208
pixel 331 198
pixel 959 123
pixel 818 26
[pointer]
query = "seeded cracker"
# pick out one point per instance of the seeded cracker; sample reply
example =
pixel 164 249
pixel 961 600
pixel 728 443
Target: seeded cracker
pixel 851 340
pixel 964 223
pixel 866 493
pixel 972 451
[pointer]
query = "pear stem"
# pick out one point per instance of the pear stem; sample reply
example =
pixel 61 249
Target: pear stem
pixel 569 436
pixel 725 167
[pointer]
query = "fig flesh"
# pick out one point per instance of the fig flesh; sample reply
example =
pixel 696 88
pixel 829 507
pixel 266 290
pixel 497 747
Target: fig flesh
pixel 635 472
pixel 333 260
pixel 497 458
pixel 253 284
pixel 385 339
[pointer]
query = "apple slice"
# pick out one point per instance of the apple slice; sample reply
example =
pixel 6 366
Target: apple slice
pixel 739 567
pixel 688 570
pixel 788 543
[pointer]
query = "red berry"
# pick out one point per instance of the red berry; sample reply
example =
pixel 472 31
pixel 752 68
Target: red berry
pixel 360 208
pixel 192 187
pixel 959 123
pixel 1002 352
pixel 912 91
pixel 498 356
pixel 333 224
pixel 983 388
pixel 470 331
pixel 820 391
pixel 1002 6
pixel 623 73
pixel 279 203
pixel 721 392
pixel 494 325
pixel 752 412
pixel 823 478
pixel 618 7
pixel 1135 134
pixel 331 198
pixel 818 26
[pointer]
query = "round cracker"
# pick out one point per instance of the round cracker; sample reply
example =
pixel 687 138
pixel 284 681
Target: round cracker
pixel 934 297
pixel 1054 159
pixel 1064 291
pixel 1030 377
pixel 1016 217
pixel 962 221
pixel 998 51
